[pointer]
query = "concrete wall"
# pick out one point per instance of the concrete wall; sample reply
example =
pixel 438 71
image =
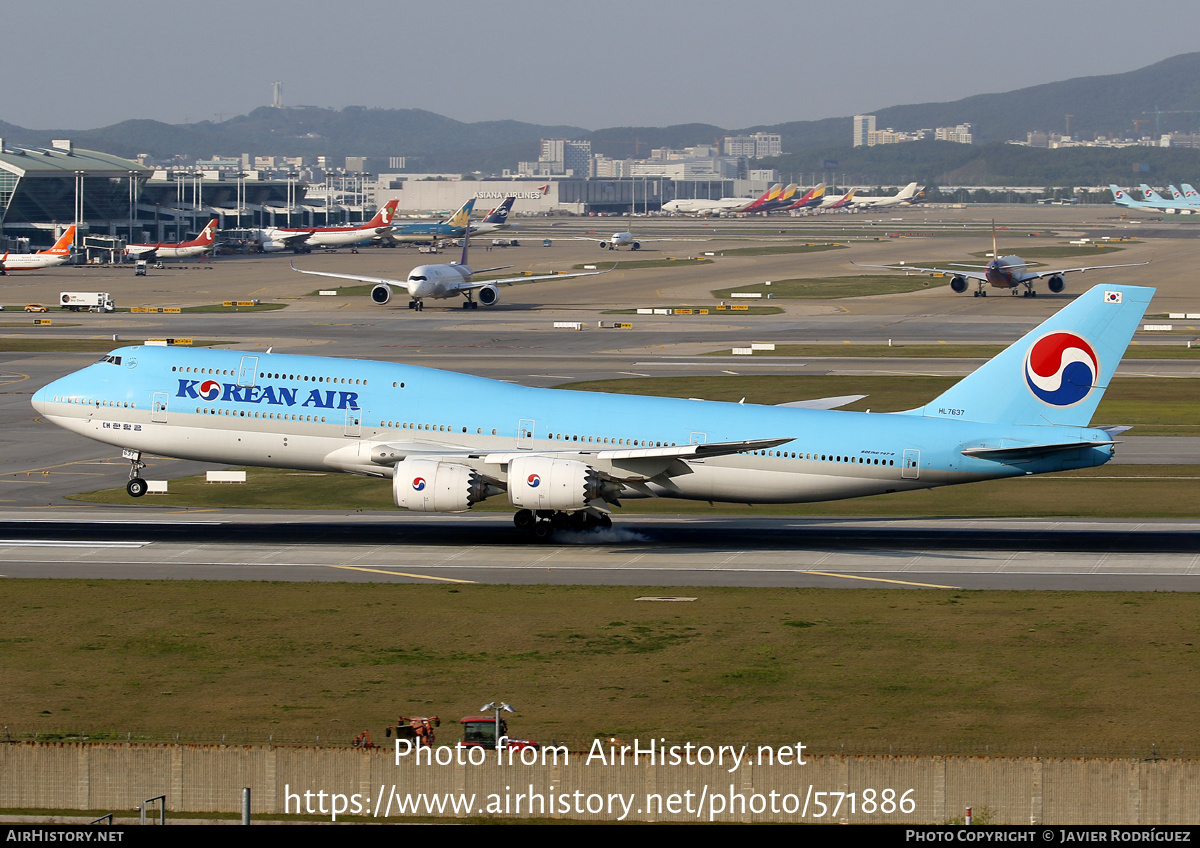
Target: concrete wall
pixel 198 778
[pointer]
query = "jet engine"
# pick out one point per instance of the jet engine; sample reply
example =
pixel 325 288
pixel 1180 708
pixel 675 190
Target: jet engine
pixel 637 245
pixel 1056 283
pixel 488 295
pixel 958 284
pixel 427 485
pixel 381 294
pixel 542 482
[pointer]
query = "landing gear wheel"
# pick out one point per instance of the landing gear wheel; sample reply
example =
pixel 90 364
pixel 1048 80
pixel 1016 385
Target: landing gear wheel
pixel 543 530
pixel 136 487
pixel 474 304
pixel 524 519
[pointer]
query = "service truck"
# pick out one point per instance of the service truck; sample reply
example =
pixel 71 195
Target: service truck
pixel 87 301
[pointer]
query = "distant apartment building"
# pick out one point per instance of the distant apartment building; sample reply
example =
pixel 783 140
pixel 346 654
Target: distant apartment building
pixel 757 146
pixel 960 134
pixel 864 125
pixel 866 135
pixel 561 157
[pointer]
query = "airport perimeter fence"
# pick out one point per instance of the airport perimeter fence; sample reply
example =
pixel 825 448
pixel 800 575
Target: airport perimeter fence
pixel 338 736
pixel 865 789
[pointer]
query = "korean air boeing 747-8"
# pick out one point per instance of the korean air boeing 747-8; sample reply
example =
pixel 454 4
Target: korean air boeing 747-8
pixel 446 441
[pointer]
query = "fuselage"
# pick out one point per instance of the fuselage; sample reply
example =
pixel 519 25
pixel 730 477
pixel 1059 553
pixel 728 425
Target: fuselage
pixel 1006 272
pixel 321 413
pixel 437 281
pixel 280 238
pixel 31 261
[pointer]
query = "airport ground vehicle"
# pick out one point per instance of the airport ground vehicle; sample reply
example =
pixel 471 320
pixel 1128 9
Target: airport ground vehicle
pixel 418 729
pixel 480 732
pixel 86 301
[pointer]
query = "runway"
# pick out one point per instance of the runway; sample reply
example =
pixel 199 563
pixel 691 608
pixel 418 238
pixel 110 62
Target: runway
pixel 639 551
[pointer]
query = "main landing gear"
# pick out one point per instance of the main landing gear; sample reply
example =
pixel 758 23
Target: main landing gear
pixel 470 304
pixel 544 522
pixel 136 487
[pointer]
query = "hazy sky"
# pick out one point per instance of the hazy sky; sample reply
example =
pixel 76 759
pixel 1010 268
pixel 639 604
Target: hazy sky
pixel 70 64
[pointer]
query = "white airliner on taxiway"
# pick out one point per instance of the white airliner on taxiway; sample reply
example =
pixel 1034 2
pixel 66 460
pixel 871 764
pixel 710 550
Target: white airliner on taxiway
pixel 441 281
pixel 446 441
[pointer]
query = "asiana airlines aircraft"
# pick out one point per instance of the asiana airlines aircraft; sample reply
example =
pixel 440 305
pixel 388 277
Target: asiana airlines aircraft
pixel 446 441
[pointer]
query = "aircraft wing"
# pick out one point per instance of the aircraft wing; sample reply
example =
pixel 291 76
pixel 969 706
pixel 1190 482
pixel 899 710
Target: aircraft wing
pixel 290 237
pixel 508 281
pixel 355 277
pixel 824 403
pixel 973 275
pixel 1034 276
pixel 630 465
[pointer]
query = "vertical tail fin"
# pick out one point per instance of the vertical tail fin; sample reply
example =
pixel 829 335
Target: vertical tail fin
pixel 62 247
pixel 208 235
pixel 383 216
pixel 1057 373
pixel 499 215
pixel 463 216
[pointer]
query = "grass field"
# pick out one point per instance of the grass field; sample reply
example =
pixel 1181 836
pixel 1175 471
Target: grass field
pixel 1050 251
pixel 821 288
pixel 907 670
pixel 781 249
pixel 1155 406
pixel 52 345
pixel 948 351
pixel 217 307
pixel 712 310
pixel 607 264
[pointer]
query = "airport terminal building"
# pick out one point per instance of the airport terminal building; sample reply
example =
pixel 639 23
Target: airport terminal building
pixel 571 196
pixel 43 190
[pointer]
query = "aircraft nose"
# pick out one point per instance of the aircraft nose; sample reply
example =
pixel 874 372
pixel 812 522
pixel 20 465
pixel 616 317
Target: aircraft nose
pixel 42 397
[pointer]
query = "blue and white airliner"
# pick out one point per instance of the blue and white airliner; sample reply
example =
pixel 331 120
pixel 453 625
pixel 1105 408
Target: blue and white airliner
pixel 447 441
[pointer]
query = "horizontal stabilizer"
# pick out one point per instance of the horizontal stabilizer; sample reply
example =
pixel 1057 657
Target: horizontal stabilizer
pixel 823 403
pixel 1014 452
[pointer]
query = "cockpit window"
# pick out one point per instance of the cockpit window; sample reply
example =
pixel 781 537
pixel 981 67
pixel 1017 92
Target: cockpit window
pixel 115 360
pixel 416 278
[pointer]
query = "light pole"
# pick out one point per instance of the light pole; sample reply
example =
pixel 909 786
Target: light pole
pixel 291 190
pixel 197 196
pixel 79 175
pixel 131 176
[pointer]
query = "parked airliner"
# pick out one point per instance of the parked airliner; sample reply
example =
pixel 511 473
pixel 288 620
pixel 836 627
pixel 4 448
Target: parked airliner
pixel 303 239
pixel 198 246
pixel 59 253
pixel 446 441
